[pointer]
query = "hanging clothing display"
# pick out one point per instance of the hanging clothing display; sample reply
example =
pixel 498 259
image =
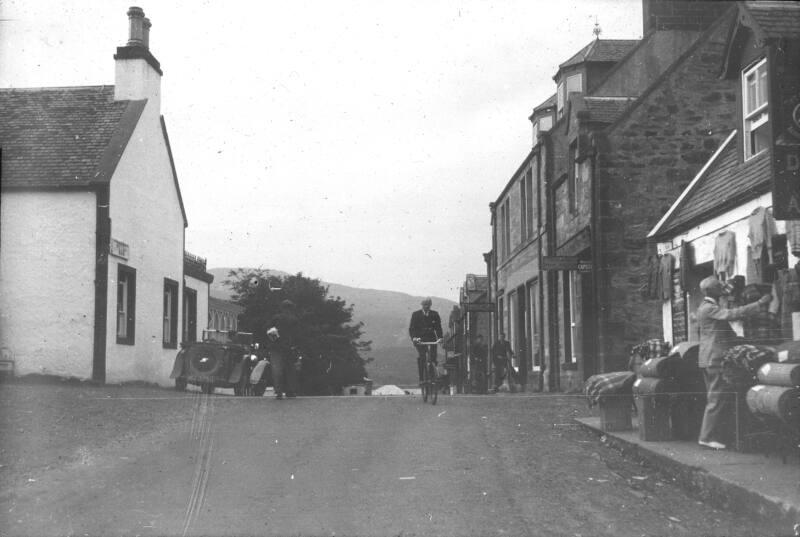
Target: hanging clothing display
pixel 725 254
pixel 793 234
pixel 686 264
pixel 761 228
pixel 666 265
pixel 786 298
pixel 780 255
pixel 651 286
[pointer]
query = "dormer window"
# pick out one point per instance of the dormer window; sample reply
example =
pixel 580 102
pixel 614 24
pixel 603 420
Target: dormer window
pixel 755 114
pixel 573 84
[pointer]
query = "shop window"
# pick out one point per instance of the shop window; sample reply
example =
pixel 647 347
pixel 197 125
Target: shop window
pixel 755 114
pixel 533 319
pixel 170 332
pixel 126 304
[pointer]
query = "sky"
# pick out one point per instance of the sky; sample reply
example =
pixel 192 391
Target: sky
pixel 359 142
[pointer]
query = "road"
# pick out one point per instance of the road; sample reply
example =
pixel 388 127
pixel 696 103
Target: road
pixel 482 465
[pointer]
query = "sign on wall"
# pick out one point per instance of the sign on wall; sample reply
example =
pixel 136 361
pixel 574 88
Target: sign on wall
pixel 785 118
pixel 118 249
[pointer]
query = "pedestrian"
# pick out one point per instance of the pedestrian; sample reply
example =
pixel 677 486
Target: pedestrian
pixel 716 337
pixel 501 356
pixel 480 353
pixel 283 339
pixel 425 326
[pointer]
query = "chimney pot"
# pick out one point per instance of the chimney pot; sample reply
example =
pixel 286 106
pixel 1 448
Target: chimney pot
pixel 146 33
pixel 136 36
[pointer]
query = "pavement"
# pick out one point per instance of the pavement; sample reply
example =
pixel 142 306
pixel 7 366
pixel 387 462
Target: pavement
pixel 765 485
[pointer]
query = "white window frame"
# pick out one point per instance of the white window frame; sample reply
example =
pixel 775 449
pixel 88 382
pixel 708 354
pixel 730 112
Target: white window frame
pixel 123 288
pixel 758 117
pixel 573 326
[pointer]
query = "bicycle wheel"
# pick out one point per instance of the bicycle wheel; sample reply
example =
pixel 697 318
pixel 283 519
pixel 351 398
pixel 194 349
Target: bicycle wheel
pixel 434 387
pixel 425 384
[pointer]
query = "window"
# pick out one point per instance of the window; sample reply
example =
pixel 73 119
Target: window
pixel 574 178
pixel 561 98
pixel 533 317
pixel 511 331
pixel 126 304
pixel 755 114
pixel 500 313
pixel 507 227
pixel 574 84
pixel 170 339
pixel 545 123
pixel 535 133
pixel 529 203
pixel 523 208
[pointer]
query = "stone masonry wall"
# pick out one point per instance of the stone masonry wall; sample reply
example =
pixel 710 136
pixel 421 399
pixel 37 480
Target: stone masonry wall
pixel 644 163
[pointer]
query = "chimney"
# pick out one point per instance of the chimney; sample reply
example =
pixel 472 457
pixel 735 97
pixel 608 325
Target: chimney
pixel 138 73
pixel 136 35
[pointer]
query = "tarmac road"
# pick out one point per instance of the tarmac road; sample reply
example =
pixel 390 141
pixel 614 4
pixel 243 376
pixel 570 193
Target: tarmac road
pixel 483 465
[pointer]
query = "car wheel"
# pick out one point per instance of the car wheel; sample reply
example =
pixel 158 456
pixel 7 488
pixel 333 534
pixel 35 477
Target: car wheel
pixel 180 385
pixel 208 388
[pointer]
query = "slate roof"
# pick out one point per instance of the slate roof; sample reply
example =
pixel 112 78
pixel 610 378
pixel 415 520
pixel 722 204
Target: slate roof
pixel 606 109
pixel 550 102
pixel 601 50
pixel 725 183
pixel 63 137
pixel 776 19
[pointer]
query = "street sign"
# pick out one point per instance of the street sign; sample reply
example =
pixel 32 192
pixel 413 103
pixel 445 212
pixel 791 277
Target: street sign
pixel 479 306
pixel 585 266
pixel 559 262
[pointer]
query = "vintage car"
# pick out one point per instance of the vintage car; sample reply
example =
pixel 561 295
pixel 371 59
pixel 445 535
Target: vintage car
pixel 223 360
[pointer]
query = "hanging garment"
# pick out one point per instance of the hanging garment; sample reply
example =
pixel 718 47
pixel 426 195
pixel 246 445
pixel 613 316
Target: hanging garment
pixel 686 262
pixel 761 228
pixel 780 255
pixel 665 267
pixel 786 299
pixel 725 254
pixel 651 285
pixel 793 234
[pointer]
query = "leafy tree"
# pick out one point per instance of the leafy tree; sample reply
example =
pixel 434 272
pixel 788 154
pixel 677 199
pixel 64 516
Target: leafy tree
pixel 329 342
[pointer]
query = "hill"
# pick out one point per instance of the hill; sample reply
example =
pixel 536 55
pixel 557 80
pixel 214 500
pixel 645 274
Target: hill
pixel 385 315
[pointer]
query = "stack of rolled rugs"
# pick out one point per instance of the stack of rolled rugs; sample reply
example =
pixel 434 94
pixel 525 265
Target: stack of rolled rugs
pixel 777 393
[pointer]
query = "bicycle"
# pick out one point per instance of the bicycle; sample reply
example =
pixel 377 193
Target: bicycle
pixel 430 377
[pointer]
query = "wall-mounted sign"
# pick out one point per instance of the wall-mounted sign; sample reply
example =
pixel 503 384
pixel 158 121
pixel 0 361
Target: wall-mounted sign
pixel 784 116
pixel 559 262
pixel 479 306
pixel 584 266
pixel 118 249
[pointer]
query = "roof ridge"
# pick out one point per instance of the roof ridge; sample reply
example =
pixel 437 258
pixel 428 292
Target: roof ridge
pixel 45 88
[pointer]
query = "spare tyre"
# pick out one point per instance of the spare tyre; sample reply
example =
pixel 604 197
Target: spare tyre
pixel 205 361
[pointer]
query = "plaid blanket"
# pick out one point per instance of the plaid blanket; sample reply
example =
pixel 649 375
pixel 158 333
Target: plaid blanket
pixel 615 383
pixel 741 363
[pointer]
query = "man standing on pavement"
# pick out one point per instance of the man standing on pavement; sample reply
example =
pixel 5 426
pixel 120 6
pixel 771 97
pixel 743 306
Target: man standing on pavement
pixel 501 355
pixel 716 337
pixel 283 354
pixel 425 326
pixel 480 353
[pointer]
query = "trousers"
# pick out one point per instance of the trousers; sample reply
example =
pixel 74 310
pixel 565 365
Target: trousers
pixel 719 415
pixel 421 352
pixel 284 373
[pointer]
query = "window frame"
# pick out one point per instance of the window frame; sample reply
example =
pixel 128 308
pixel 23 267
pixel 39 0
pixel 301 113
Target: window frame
pixel 574 178
pixel 169 336
pixel 189 320
pixel 757 118
pixel 126 305
pixel 523 207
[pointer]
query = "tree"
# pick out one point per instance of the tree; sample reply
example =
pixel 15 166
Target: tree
pixel 330 343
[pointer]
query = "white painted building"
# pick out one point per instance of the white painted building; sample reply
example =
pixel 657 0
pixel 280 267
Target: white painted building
pixel 92 227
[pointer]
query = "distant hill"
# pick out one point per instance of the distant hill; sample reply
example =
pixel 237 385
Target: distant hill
pixel 385 315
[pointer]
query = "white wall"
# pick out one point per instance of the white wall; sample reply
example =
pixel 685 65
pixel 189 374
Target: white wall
pixel 145 214
pixel 47 273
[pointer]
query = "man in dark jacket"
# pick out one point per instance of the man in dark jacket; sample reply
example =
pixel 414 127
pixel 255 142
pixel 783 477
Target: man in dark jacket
pixel 716 337
pixel 425 326
pixel 501 357
pixel 283 355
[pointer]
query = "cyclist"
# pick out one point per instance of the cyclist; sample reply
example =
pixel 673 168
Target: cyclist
pixel 426 325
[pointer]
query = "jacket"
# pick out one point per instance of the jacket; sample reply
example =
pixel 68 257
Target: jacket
pixel 428 328
pixel 716 334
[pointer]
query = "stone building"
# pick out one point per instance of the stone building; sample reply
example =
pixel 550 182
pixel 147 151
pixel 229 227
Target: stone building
pixel 634 120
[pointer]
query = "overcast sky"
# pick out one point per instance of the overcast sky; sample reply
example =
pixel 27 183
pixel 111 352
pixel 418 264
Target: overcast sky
pixel 359 142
